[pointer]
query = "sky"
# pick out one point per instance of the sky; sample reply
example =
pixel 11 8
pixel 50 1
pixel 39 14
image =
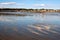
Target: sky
pixel 35 4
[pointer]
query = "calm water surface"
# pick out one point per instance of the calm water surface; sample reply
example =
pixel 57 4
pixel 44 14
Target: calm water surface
pixel 34 26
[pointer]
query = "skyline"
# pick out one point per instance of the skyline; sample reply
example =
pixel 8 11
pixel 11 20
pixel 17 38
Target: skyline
pixel 35 4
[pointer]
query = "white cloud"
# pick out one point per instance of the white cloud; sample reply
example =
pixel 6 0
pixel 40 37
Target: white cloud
pixel 20 4
pixel 43 5
pixel 39 5
pixel 10 4
pixel 7 3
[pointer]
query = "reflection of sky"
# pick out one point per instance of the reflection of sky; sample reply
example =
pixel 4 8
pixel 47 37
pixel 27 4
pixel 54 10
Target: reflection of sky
pixel 36 24
pixel 38 18
pixel 48 18
pixel 8 18
pixel 43 29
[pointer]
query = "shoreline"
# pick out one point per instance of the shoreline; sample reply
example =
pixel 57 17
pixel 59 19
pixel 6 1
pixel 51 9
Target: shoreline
pixel 21 13
pixel 28 10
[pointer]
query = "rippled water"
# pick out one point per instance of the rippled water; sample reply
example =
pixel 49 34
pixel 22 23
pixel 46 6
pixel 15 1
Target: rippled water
pixel 34 27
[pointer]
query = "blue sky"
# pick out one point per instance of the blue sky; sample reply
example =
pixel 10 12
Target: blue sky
pixel 49 4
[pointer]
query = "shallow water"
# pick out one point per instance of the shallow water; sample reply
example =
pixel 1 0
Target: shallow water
pixel 36 27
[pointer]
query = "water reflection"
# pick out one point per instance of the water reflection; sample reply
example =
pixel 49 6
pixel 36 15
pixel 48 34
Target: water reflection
pixel 43 25
pixel 6 18
pixel 33 29
pixel 43 28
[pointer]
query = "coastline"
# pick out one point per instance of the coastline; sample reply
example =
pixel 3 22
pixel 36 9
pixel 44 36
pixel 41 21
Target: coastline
pixel 27 10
